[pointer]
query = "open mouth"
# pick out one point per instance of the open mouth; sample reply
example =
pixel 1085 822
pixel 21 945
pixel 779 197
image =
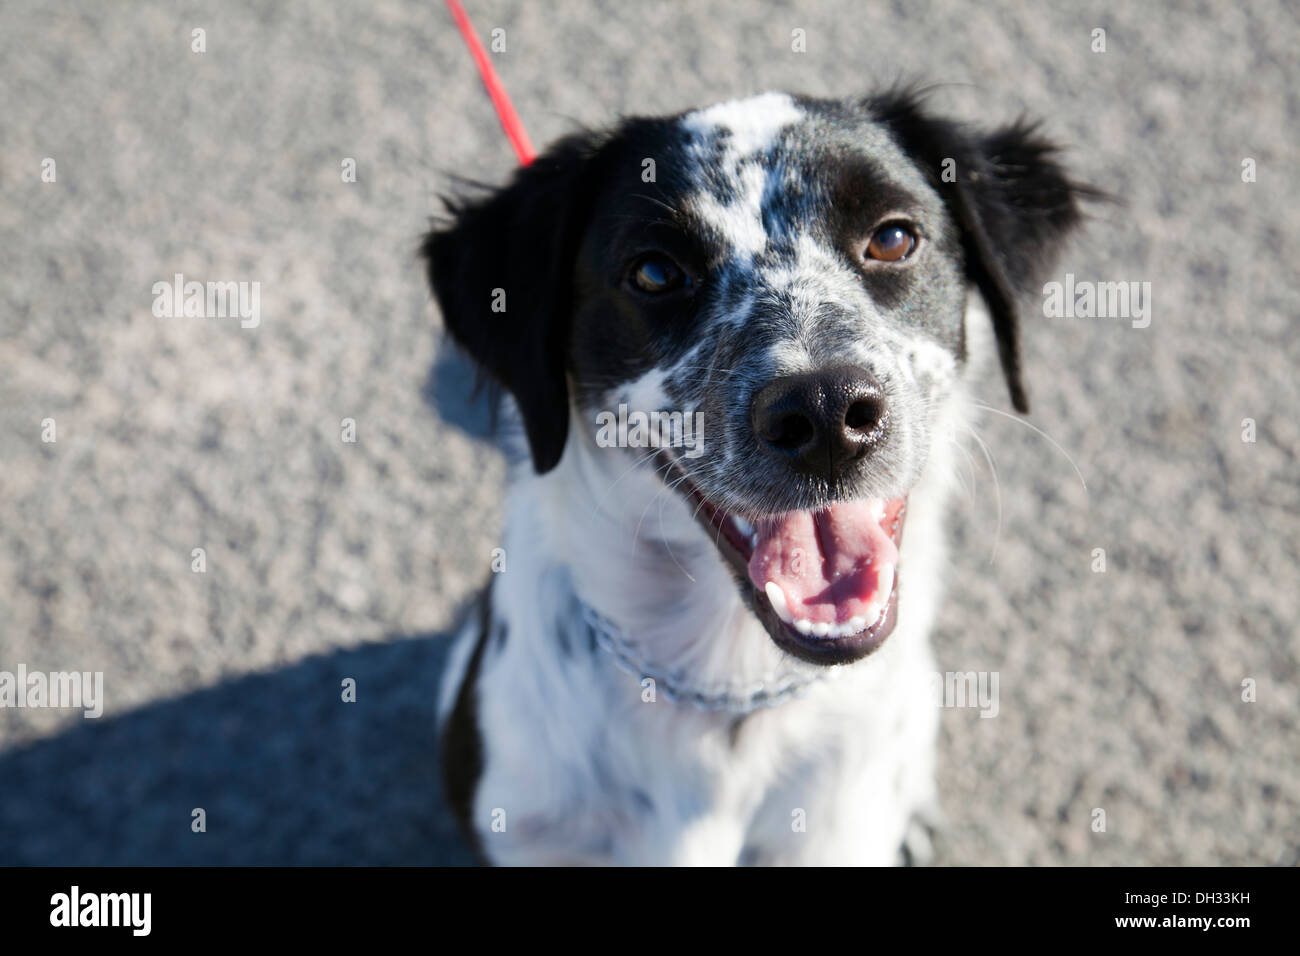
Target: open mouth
pixel 824 583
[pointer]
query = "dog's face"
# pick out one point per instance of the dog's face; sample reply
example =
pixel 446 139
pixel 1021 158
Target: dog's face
pixel 787 276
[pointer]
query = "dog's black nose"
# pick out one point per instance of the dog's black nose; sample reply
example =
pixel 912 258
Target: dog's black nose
pixel 821 421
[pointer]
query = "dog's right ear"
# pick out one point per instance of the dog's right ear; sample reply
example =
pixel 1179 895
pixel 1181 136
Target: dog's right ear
pixel 502 274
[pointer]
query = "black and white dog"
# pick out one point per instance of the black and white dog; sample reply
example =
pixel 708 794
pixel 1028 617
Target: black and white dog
pixel 670 668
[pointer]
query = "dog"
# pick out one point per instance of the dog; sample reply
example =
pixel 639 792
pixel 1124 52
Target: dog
pixel 708 640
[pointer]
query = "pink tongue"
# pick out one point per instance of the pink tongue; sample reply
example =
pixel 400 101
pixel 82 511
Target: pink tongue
pixel 826 562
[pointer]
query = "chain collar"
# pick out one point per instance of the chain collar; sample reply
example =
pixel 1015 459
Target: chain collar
pixel 733 699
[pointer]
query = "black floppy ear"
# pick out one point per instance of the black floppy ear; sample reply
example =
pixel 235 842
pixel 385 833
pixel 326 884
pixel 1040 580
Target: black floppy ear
pixel 1012 200
pixel 502 275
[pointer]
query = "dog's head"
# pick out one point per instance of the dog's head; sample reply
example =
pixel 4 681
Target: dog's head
pixel 792 275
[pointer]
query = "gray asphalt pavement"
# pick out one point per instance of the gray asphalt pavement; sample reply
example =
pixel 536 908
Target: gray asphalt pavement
pixel 1120 691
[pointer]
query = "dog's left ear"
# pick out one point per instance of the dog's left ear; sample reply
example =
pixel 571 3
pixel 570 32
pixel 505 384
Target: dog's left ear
pixel 1013 202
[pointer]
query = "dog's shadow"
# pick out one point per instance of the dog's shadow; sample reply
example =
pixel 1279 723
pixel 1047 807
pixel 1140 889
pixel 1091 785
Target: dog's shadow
pixel 283 769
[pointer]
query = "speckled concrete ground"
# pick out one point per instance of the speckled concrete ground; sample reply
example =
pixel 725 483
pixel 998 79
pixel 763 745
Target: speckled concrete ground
pixel 1120 691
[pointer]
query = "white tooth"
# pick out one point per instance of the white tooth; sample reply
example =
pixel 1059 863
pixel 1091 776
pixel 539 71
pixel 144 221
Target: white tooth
pixel 872 614
pixel 884 582
pixel 856 624
pixel 821 629
pixel 745 527
pixel 803 626
pixel 777 597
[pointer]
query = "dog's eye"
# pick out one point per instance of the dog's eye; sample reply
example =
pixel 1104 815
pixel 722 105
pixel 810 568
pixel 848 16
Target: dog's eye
pixel 892 242
pixel 657 274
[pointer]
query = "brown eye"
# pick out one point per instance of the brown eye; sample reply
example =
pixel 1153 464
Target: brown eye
pixel 656 275
pixel 892 242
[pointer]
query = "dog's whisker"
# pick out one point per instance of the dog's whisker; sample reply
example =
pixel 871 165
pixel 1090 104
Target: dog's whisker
pixel 664 487
pixel 639 220
pixel 636 533
pixel 967 486
pixel 627 471
pixel 668 545
pixel 1038 431
pixel 997 489
pixel 658 202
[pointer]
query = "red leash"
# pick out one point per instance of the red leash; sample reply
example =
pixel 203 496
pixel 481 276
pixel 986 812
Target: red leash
pixel 500 99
